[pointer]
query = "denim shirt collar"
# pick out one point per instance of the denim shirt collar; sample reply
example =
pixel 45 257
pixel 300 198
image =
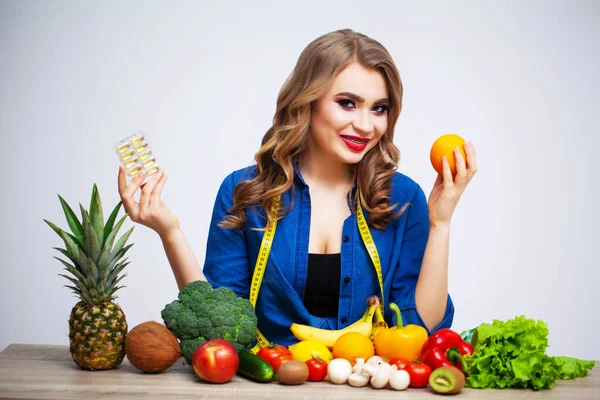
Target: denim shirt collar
pixel 304 185
pixel 299 174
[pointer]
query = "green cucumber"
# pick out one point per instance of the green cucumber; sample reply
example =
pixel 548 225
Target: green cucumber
pixel 254 367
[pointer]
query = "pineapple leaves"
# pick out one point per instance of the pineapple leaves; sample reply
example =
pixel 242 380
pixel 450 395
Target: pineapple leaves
pixel 120 254
pixel 77 283
pixel 72 247
pixel 114 273
pixel 107 253
pixel 96 216
pixel 92 260
pixel 85 297
pixel 93 269
pixel 73 221
pixel 121 243
pixel 76 273
pixel 112 292
pixel 62 251
pixel 75 290
pixel 105 270
pixel 79 269
pixel 110 222
pixel 92 243
pixel 76 240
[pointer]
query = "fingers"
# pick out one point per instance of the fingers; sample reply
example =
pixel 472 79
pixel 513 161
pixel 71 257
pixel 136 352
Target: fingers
pixel 155 197
pixel 461 168
pixel 127 191
pixel 133 186
pixel 122 180
pixel 147 190
pixel 447 174
pixel 471 158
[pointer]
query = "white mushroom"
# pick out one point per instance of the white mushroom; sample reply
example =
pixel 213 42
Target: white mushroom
pixel 358 367
pixel 380 374
pixel 339 370
pixel 399 379
pixel 359 378
pixel 375 361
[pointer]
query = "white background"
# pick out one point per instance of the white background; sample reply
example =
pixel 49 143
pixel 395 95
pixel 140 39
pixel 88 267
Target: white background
pixel 520 79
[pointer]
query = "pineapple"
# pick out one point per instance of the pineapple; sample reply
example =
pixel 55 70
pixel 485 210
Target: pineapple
pixel 97 326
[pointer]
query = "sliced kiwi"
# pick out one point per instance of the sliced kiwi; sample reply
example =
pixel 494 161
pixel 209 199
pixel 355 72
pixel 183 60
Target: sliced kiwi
pixel 447 380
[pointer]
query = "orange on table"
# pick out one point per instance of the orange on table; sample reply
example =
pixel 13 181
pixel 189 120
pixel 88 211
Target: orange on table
pixel 444 146
pixel 353 345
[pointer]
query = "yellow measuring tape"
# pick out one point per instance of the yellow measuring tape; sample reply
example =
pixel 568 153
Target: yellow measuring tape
pixel 259 270
pixel 365 234
pixel 265 249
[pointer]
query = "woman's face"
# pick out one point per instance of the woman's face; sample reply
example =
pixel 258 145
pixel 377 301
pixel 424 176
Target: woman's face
pixel 350 118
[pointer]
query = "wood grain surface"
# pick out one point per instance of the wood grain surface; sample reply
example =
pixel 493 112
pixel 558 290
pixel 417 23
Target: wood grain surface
pixel 48 372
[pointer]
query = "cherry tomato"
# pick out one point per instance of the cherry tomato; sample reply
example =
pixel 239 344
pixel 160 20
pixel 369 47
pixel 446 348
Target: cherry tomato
pixel 401 363
pixel 273 351
pixel 419 374
pixel 277 361
pixel 317 369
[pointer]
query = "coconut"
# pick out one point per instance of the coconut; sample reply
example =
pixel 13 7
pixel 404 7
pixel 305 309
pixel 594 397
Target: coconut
pixel 151 347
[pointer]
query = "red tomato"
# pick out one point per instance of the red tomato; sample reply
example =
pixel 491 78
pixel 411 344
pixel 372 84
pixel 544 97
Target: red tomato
pixel 419 374
pixel 269 353
pixel 277 361
pixel 283 349
pixel 317 369
pixel 216 361
pixel 401 363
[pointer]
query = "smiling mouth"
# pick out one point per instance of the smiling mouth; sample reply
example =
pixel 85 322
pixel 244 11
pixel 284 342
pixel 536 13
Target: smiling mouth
pixel 356 140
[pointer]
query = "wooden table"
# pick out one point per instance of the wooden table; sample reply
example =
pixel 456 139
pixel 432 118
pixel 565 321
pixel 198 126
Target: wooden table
pixel 48 372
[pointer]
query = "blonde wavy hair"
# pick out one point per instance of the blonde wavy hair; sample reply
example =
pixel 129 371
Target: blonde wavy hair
pixel 318 65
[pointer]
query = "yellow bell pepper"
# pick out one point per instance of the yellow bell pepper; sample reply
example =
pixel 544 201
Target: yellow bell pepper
pixel 400 341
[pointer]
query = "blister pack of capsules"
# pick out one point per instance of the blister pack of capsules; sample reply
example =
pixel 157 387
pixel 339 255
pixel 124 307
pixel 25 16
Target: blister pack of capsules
pixel 135 154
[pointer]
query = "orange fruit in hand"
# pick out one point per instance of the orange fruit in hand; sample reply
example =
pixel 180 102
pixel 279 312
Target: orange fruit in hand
pixel 444 146
pixel 353 345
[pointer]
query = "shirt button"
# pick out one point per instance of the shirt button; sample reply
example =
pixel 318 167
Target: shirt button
pixel 346 239
pixel 346 280
pixel 344 320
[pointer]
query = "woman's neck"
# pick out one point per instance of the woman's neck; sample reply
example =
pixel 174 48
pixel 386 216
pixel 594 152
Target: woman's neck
pixel 320 170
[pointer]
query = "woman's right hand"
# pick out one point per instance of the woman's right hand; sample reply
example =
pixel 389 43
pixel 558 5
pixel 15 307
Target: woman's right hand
pixel 150 210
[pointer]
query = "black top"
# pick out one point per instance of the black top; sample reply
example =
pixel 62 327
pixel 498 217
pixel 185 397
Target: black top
pixel 322 292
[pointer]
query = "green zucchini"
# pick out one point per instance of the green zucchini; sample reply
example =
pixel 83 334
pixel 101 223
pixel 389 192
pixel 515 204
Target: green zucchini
pixel 254 367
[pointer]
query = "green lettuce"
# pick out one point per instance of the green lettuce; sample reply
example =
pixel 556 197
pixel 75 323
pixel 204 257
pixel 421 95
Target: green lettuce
pixel 512 354
pixel 570 368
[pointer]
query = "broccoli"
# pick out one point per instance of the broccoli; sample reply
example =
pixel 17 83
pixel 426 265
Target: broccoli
pixel 203 313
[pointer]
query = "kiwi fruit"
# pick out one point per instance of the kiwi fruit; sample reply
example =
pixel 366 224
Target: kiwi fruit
pixel 447 380
pixel 293 372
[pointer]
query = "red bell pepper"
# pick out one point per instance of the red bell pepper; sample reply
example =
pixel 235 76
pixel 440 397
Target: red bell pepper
pixel 445 348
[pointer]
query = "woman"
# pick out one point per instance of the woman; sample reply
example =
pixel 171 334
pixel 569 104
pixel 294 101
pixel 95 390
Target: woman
pixel 329 149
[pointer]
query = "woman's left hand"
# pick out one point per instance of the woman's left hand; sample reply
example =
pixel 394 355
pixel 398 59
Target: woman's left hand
pixel 447 190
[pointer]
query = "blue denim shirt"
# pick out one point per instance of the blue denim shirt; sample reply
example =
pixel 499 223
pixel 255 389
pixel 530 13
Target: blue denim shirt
pixel 231 256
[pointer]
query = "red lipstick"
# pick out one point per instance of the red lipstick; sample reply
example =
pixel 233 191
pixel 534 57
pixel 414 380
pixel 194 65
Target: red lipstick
pixel 356 143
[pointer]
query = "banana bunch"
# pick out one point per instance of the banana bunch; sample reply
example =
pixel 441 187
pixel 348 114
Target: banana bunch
pixel 328 337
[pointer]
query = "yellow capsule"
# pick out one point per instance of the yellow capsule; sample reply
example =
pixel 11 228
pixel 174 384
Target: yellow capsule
pixel 149 162
pixel 141 147
pixel 131 162
pixel 134 170
pixel 127 155
pixel 145 154
pixel 138 139
pixel 151 171
pixel 122 147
